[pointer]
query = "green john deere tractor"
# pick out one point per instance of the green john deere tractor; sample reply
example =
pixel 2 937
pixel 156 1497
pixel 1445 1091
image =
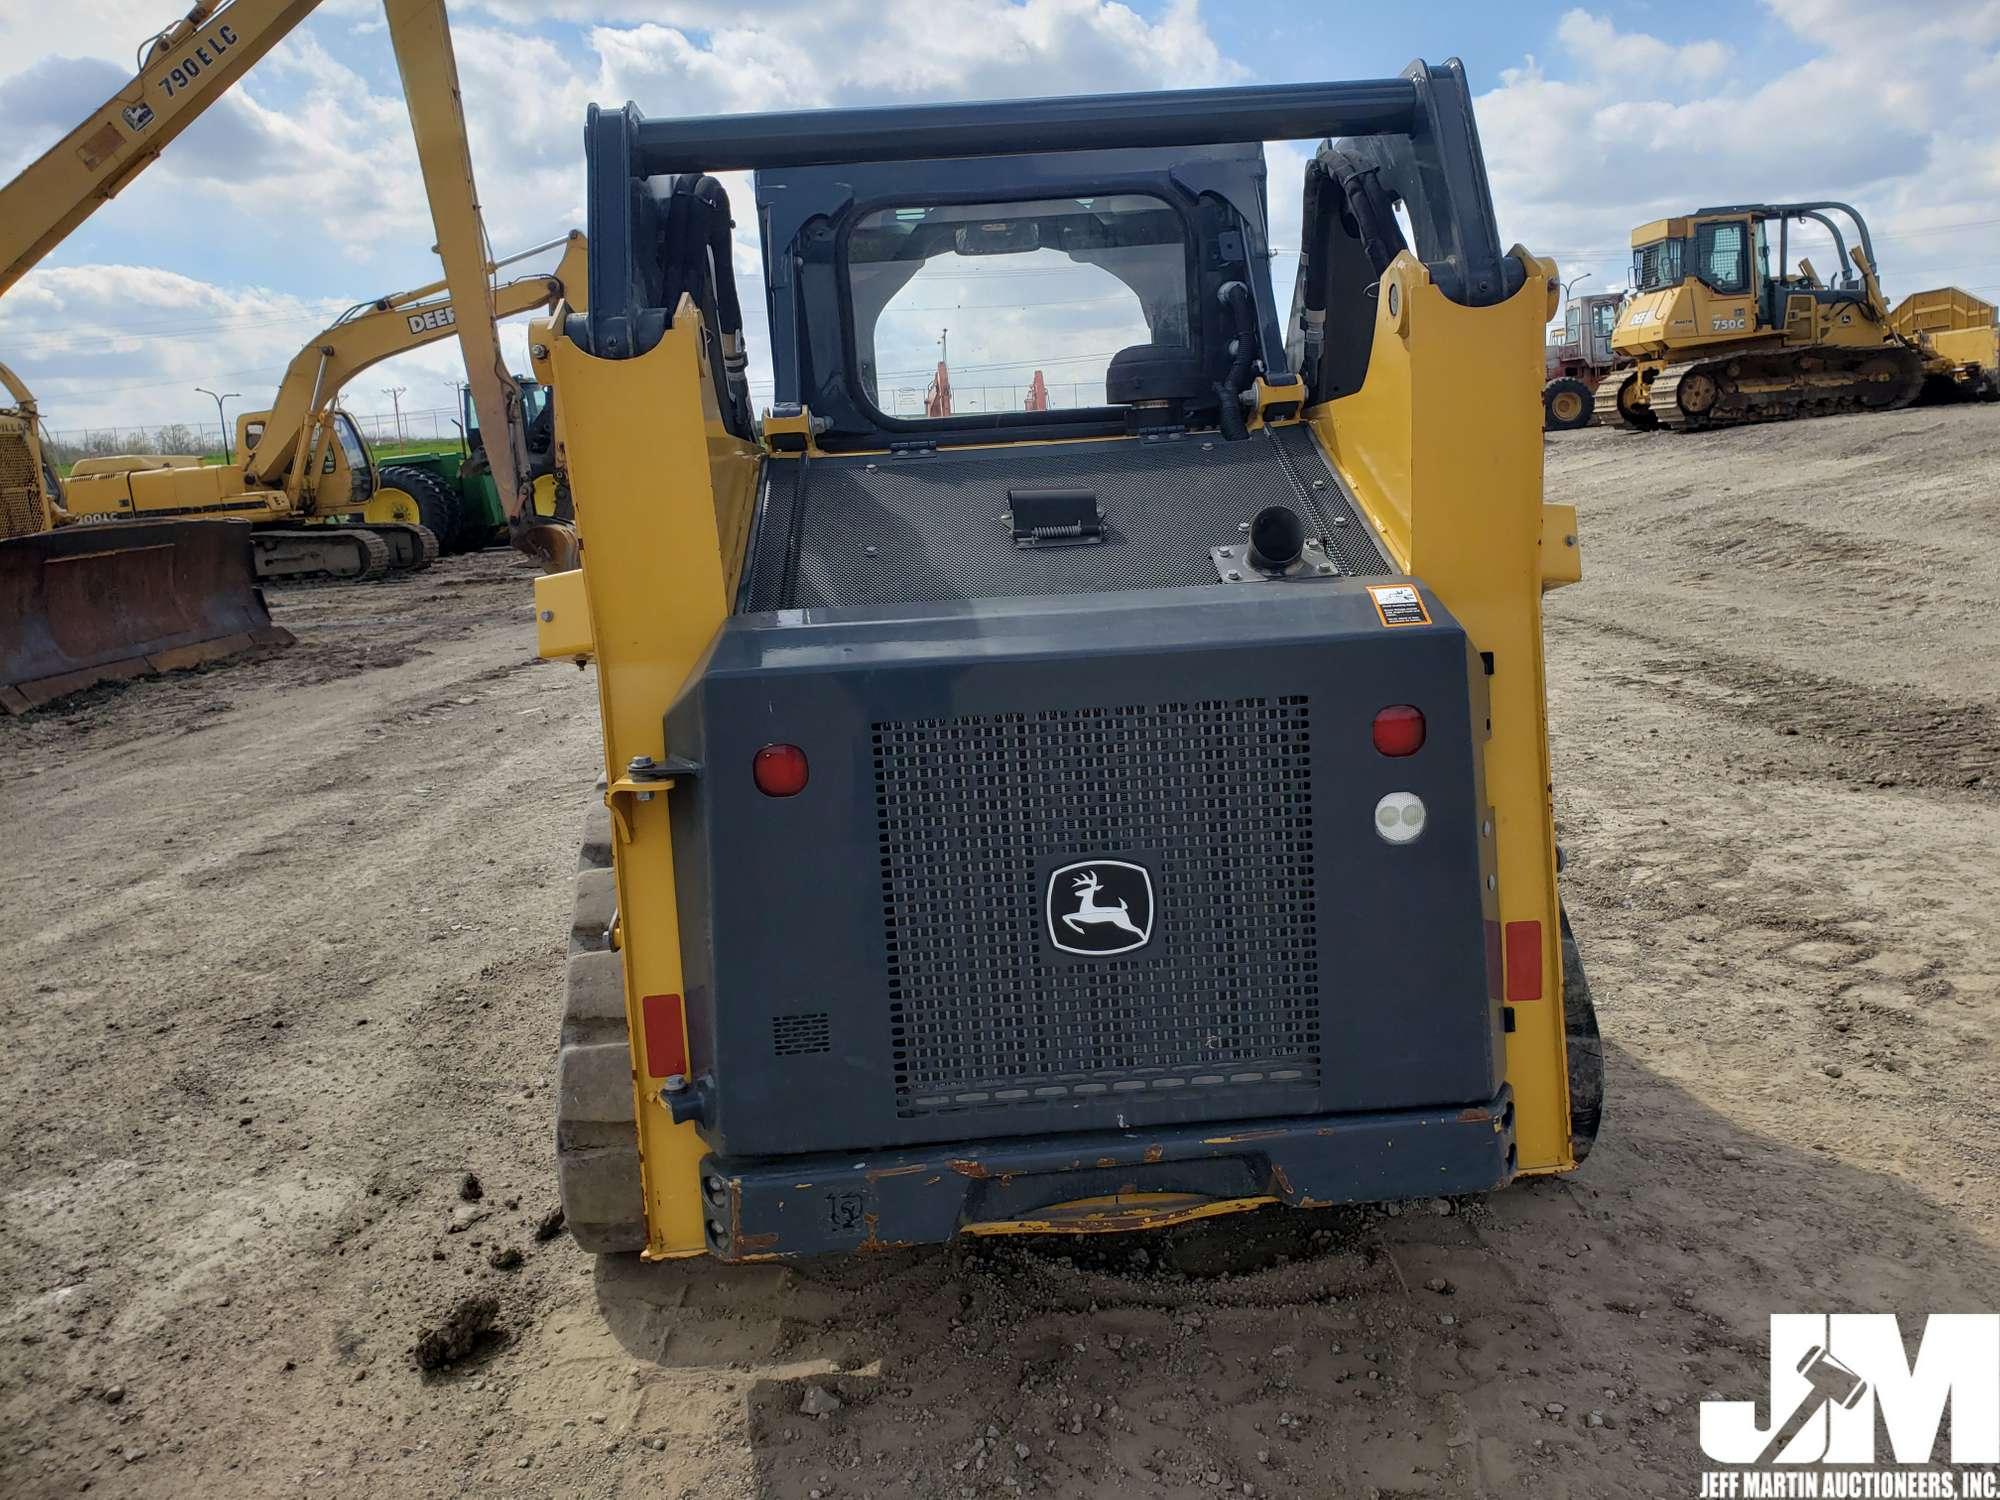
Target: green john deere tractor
pixel 459 480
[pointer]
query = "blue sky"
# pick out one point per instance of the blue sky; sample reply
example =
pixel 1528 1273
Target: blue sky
pixel 298 195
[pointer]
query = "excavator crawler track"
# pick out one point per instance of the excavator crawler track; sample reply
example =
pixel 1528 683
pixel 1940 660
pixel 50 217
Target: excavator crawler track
pixel 411 548
pixel 1783 385
pixel 344 552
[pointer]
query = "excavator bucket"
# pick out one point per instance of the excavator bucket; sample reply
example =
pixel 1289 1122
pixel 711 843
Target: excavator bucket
pixel 84 604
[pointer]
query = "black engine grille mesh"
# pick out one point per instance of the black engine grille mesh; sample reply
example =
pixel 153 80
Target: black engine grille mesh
pixel 1215 797
pixel 927 528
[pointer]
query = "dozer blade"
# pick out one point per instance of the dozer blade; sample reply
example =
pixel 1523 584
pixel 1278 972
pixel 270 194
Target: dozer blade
pixel 84 604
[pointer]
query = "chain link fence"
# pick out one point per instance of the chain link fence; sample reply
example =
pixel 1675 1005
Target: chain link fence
pixel 435 426
pixel 438 426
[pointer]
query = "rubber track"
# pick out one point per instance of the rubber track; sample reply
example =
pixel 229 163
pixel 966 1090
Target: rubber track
pixel 597 1138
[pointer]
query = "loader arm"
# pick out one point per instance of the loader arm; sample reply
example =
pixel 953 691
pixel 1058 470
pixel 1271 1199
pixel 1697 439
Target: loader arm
pixel 421 35
pixel 371 332
pixel 189 66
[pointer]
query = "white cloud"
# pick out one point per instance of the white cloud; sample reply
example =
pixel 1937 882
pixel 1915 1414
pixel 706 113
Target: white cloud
pixel 123 346
pixel 1644 129
pixel 308 143
pixel 1602 49
pixel 1621 126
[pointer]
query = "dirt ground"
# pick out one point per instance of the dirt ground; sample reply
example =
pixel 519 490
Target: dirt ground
pixel 284 943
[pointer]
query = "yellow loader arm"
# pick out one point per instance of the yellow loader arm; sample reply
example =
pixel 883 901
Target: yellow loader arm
pixel 187 67
pixel 367 334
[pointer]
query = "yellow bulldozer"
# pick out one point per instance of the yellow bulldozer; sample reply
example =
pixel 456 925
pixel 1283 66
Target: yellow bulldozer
pixel 1716 336
pixel 320 502
pixel 1089 817
pixel 84 604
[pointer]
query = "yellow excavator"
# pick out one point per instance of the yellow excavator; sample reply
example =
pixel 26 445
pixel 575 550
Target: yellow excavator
pixel 1716 337
pixel 305 478
pixel 86 602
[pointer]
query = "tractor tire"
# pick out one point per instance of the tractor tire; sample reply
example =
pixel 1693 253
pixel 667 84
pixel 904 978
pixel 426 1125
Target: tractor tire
pixel 597 1136
pixel 1584 1047
pixel 438 506
pixel 1567 404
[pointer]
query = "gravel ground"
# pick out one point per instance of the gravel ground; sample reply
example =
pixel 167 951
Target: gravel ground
pixel 285 944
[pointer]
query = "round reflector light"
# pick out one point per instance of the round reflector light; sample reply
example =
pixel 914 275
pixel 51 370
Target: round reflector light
pixel 1399 730
pixel 1399 817
pixel 779 770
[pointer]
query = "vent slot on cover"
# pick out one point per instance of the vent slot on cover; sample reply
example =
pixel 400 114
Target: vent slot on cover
pixel 1214 796
pixel 801 1035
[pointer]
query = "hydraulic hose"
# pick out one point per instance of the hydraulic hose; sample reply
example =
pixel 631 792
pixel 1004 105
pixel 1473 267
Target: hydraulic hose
pixel 1236 301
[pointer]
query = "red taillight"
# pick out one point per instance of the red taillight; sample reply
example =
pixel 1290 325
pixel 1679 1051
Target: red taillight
pixel 780 770
pixel 1524 960
pixel 665 1029
pixel 1399 730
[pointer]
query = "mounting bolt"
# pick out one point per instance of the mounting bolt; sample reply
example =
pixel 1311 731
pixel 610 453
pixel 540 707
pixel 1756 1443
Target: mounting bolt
pixel 540 351
pixel 676 1084
pixel 1326 567
pixel 1319 484
pixel 869 551
pixel 1233 576
pixel 546 616
pixel 1242 525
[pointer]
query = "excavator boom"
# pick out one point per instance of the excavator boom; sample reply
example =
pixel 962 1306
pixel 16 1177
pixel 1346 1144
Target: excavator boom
pixel 187 67
pixel 371 332
pixel 422 38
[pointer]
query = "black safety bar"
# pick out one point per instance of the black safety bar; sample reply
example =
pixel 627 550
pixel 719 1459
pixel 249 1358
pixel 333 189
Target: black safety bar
pixel 1428 108
pixel 1012 127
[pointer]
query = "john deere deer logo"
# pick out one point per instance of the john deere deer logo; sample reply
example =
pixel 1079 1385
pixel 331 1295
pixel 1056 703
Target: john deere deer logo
pixel 1100 907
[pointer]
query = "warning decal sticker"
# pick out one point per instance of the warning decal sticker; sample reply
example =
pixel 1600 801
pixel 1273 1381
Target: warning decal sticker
pixel 1399 604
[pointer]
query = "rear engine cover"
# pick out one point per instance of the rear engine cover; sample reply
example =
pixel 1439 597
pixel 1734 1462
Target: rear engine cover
pixel 1090 862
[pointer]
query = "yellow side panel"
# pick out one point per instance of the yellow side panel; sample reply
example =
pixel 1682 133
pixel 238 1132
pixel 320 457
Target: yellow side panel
pixel 1442 446
pixel 1562 561
pixel 661 490
pixel 562 616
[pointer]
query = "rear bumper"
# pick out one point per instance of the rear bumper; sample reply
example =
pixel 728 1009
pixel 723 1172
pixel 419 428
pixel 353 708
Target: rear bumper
pixel 793 1207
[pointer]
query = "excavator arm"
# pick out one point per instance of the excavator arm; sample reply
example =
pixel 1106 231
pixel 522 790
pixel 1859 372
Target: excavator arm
pixel 184 70
pixel 421 36
pixel 371 332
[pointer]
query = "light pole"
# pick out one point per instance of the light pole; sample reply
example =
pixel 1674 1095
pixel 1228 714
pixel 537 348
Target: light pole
pixel 395 395
pixel 221 419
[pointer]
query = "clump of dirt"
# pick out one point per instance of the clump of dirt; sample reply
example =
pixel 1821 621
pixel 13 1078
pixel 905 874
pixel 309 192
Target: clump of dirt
pixel 463 1332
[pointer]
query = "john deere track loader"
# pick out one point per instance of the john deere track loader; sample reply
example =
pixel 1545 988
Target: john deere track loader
pixel 1079 818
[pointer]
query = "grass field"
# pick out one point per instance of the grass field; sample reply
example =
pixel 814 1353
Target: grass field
pixel 382 451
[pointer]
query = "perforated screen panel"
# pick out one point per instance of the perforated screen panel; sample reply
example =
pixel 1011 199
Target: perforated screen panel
pixel 1213 798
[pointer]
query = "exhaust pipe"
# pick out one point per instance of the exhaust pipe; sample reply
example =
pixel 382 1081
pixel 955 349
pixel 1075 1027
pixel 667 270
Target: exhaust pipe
pixel 1277 539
